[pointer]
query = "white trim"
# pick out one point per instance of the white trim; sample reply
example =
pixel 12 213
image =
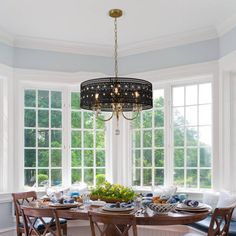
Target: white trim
pixel 7 230
pixel 6 38
pixel 226 25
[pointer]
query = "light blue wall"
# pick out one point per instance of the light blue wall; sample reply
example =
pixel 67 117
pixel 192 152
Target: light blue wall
pixel 159 59
pixel 170 57
pixel 6 218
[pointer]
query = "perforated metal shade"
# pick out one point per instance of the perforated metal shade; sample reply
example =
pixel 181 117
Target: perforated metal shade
pixel 105 92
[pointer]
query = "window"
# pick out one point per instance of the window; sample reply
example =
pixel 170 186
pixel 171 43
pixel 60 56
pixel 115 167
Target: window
pixel 87 144
pixel 148 146
pixel 174 139
pixel 42 137
pixel 192 124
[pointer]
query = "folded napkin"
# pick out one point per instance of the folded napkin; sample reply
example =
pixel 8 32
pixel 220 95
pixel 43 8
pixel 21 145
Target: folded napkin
pixel 191 203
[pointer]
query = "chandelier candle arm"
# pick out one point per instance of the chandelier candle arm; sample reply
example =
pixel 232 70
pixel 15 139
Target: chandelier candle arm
pixel 116 94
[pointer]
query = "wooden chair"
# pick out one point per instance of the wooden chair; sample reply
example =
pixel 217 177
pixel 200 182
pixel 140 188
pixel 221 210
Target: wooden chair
pixel 25 198
pixel 112 223
pixel 33 217
pixel 220 222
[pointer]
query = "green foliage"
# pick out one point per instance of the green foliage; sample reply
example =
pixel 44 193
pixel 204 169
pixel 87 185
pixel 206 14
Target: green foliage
pixel 113 191
pixel 42 177
pixel 100 179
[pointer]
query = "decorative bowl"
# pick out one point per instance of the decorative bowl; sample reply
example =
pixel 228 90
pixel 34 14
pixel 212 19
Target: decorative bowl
pixel 106 199
pixel 162 208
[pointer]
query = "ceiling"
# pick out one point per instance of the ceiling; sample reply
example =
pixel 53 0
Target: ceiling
pixel 86 21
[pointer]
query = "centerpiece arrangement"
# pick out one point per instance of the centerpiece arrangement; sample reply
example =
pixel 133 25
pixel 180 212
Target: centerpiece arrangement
pixel 112 193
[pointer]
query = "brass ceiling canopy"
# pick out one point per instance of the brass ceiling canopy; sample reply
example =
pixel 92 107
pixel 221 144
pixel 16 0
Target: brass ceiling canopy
pixel 116 94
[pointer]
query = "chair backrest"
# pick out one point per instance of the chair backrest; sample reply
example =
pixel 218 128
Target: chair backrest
pixel 33 217
pixel 20 199
pixel 112 222
pixel 220 221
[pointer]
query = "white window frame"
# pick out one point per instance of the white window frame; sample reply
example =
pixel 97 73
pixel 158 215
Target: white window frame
pixel 168 163
pixel 66 90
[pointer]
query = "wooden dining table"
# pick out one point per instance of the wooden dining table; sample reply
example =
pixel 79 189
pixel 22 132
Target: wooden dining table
pixel 147 217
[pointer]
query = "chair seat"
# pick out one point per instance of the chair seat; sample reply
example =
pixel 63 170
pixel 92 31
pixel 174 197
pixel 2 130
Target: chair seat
pixel 39 225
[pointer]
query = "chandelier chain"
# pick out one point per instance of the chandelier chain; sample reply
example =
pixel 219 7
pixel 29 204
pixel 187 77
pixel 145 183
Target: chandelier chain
pixel 116 48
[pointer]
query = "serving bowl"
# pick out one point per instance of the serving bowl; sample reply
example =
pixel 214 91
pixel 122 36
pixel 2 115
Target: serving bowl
pixel 162 208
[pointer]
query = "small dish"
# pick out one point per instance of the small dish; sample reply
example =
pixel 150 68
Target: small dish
pixel 117 209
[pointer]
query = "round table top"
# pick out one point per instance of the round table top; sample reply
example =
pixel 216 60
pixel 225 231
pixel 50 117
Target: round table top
pixel 147 218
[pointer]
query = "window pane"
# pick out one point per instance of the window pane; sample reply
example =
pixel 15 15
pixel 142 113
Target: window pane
pixel 100 124
pixel 191 115
pixel 159 158
pixel 137 177
pixel 56 157
pixel 88 120
pixel 30 177
pixel 76 119
pixel 178 96
pixel 159 138
pixel 179 136
pixel 43 98
pixel 147 119
pixel 147 177
pixel 88 176
pixel 159 118
pixel 191 95
pixel 147 158
pixel 179 177
pixel 205 115
pixel 158 96
pixel 43 157
pixel 205 93
pixel 137 158
pixel 43 178
pixel 159 177
pixel 43 138
pixel 137 138
pixel 100 138
pixel 76 139
pixel 179 157
pixel 30 138
pixel 30 118
pixel 100 158
pixel 88 158
pixel 191 181
pixel 56 138
pixel 192 136
pixel 30 98
pixel 56 178
pixel 75 100
pixel 43 118
pixel 205 136
pixel 30 157
pixel 192 157
pixel 136 123
pixel 205 157
pixel 55 99
pixel 88 139
pixel 76 159
pixel 205 178
pixel 178 116
pixel 147 138
pixel 76 176
pixel 56 119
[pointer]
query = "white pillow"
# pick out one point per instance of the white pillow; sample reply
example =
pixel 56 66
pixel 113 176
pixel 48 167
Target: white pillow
pixel 211 198
pixel 160 190
pixel 225 200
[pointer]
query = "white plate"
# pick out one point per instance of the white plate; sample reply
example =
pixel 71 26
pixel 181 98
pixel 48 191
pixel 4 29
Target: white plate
pixel 117 209
pixel 65 205
pixel 98 203
pixel 200 207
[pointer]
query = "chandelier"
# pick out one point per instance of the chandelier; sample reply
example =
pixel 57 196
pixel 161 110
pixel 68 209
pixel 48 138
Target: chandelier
pixel 116 94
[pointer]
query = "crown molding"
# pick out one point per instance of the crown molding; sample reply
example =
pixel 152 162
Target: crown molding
pixel 62 46
pixel 6 38
pixel 226 25
pixel 169 41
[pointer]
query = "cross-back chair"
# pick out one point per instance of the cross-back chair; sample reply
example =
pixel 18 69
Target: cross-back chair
pixel 106 224
pixel 24 199
pixel 220 222
pixel 33 217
